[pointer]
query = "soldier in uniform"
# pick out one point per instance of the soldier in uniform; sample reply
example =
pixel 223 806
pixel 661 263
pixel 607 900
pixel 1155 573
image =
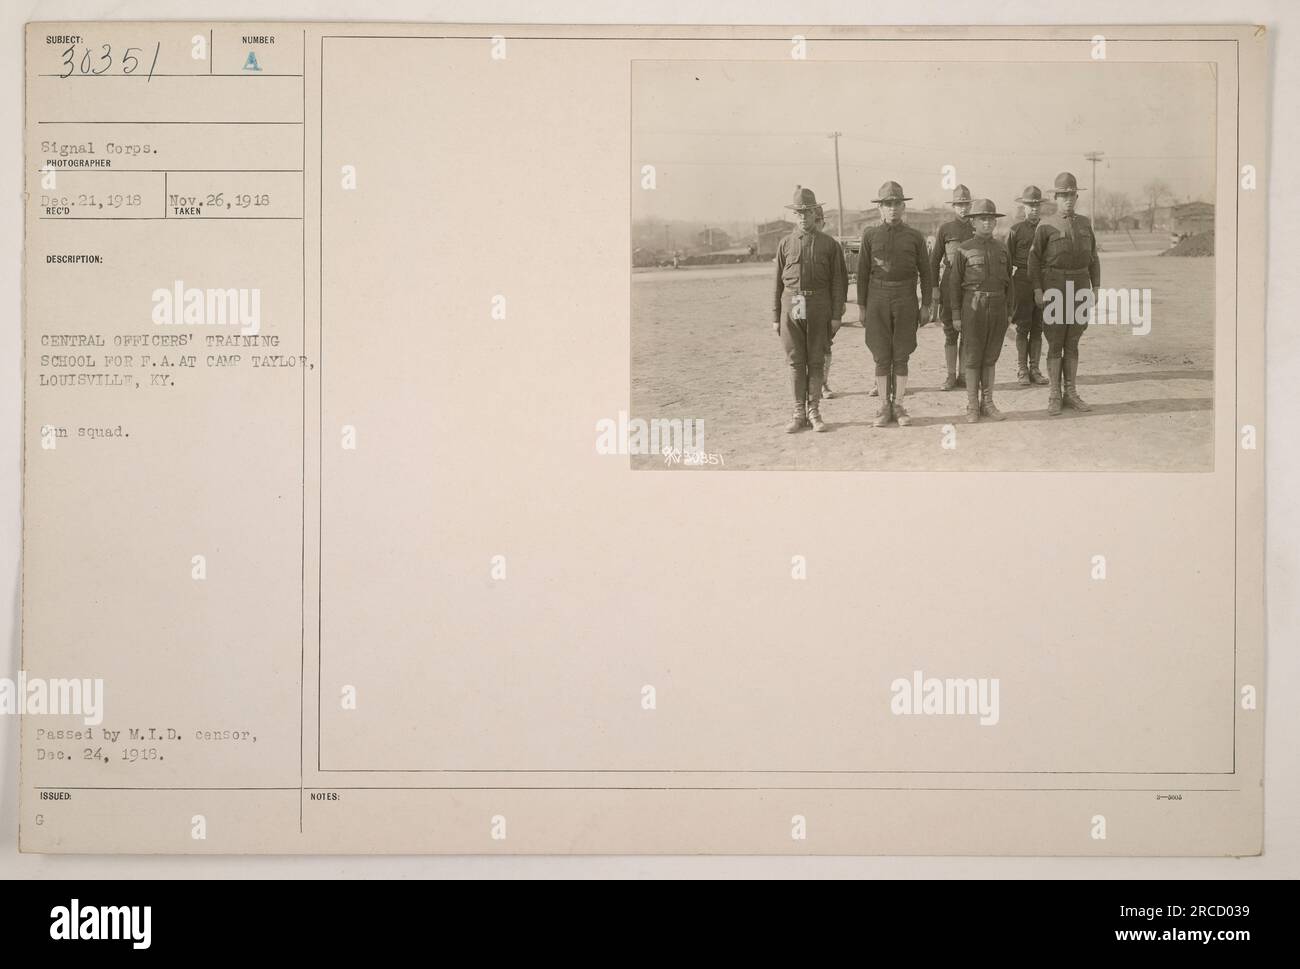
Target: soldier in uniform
pixel 1063 260
pixel 950 235
pixel 811 287
pixel 820 224
pixel 1025 312
pixel 890 263
pixel 981 293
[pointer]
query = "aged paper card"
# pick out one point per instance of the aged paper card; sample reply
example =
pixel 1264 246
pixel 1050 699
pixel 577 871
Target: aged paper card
pixel 677 440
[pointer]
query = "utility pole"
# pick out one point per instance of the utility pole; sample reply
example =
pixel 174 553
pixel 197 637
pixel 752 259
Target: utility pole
pixel 839 193
pixel 1094 157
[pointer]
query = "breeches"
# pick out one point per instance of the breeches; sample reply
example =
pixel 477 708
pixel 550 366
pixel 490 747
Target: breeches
pixel 983 328
pixel 806 336
pixel 890 323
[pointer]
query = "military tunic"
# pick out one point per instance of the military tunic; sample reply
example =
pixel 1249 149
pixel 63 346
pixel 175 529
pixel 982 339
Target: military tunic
pixel 830 338
pixel 1064 251
pixel 980 285
pixel 812 286
pixel 950 236
pixel 891 261
pixel 844 294
pixel 1025 311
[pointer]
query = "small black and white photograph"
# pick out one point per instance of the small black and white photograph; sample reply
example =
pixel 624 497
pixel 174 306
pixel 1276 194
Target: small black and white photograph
pixel 899 265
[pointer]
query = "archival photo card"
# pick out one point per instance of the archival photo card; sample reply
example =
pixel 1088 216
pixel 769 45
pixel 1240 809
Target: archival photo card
pixel 349 348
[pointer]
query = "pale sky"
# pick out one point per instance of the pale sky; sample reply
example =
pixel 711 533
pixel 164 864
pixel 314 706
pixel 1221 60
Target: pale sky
pixel 730 139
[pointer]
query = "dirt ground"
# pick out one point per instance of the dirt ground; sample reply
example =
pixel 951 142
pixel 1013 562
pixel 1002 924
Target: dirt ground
pixel 703 347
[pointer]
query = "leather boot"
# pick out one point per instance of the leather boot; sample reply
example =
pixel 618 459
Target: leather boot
pixel 950 357
pixel 1022 359
pixel 799 420
pixel 826 378
pixel 885 414
pixel 816 376
pixel 1035 354
pixel 900 391
pixel 972 396
pixel 961 375
pixel 1072 398
pixel 987 407
pixel 1053 386
pixel 815 415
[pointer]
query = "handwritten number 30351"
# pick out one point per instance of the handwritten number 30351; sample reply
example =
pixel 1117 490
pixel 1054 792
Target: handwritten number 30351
pixel 101 63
